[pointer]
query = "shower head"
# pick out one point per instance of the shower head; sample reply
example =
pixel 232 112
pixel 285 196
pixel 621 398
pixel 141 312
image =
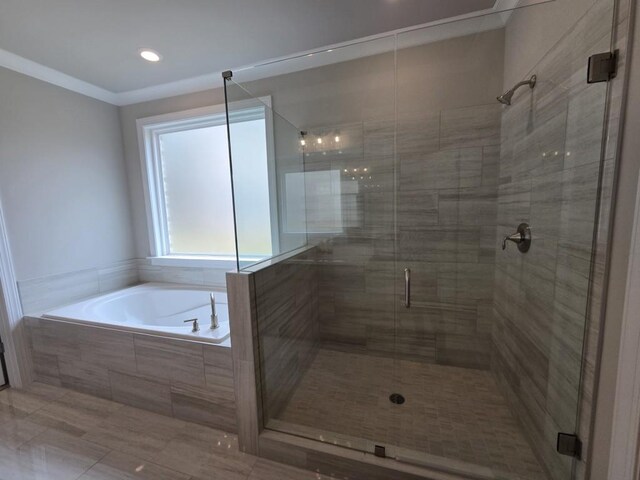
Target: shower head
pixel 506 97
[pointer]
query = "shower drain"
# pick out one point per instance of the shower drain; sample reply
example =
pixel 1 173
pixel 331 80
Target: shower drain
pixel 396 398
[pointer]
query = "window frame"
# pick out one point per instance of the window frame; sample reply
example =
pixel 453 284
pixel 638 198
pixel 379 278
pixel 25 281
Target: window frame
pixel 149 130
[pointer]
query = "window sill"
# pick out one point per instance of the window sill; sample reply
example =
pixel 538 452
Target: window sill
pixel 194 261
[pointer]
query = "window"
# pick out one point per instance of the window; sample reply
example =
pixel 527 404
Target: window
pixel 188 183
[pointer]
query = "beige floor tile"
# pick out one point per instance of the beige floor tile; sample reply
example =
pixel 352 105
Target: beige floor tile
pixel 14 433
pixel 119 466
pixel 30 399
pixel 266 470
pixel 75 413
pixel 55 455
pixel 136 432
pixel 206 453
pixel 9 413
pixel 11 468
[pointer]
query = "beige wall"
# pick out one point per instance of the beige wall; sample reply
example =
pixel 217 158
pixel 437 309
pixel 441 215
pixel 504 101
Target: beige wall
pixel 62 179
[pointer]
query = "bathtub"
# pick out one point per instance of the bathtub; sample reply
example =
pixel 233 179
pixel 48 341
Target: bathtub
pixel 153 308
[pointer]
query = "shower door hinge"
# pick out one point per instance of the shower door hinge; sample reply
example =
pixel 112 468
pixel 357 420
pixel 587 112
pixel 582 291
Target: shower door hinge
pixel 380 451
pixel 569 444
pixel 602 67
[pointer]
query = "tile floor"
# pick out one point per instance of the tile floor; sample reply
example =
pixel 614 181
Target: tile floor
pixel 49 433
pixel 450 412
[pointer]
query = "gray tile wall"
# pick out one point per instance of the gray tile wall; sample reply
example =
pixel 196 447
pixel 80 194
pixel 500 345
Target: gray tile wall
pixel 40 294
pixel 212 277
pixel 446 182
pixel 549 174
pixel 287 306
pixel 186 380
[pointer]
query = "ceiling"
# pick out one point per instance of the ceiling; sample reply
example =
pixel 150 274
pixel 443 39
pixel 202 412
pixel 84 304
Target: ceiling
pixel 97 41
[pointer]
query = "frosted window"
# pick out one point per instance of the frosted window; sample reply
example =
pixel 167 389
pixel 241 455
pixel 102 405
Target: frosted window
pixel 251 173
pixel 197 188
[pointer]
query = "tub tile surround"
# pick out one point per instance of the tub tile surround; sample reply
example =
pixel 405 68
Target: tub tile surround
pixel 246 355
pixel 447 192
pixel 59 434
pixel 41 294
pixel 211 277
pixel 183 379
pixel 549 174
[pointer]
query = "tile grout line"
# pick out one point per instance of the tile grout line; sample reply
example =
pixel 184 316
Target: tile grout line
pixel 109 451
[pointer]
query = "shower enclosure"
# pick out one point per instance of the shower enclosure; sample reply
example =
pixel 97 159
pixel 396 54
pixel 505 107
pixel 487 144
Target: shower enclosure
pixel 390 319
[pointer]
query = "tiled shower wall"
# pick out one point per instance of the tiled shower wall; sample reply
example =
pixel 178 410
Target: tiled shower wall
pixel 549 169
pixel 446 184
pixel 286 298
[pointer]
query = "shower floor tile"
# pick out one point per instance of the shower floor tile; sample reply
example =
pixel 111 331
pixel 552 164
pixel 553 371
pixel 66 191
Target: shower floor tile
pixel 450 412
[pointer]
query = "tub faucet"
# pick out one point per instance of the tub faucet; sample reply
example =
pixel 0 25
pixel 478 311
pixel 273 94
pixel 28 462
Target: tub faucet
pixel 214 315
pixel 196 327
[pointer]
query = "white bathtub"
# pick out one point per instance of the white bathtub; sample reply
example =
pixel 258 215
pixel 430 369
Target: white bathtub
pixel 158 308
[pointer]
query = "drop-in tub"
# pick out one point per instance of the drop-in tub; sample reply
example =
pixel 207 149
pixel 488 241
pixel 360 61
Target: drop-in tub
pixel 132 346
pixel 153 308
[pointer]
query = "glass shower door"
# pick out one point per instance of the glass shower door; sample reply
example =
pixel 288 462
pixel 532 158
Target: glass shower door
pixel 490 349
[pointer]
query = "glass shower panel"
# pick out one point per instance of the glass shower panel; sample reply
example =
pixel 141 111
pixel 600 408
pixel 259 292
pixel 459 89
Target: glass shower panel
pixel 494 373
pixel 342 195
pixel 267 176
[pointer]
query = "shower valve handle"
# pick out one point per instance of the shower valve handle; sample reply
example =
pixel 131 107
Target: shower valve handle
pixel 515 238
pixel 522 238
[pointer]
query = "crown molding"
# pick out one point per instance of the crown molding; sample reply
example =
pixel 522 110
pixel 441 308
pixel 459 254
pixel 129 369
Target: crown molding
pixel 171 89
pixel 30 68
pixel 494 18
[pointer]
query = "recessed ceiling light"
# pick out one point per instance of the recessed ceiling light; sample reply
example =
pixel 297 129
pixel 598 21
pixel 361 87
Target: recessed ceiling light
pixel 150 55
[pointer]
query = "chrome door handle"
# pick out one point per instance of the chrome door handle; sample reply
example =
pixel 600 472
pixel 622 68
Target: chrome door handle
pixel 407 287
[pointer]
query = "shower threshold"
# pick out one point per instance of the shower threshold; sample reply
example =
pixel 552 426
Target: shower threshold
pixel 404 455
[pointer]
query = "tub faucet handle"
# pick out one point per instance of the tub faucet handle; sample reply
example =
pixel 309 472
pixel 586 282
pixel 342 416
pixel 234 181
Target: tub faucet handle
pixel 196 327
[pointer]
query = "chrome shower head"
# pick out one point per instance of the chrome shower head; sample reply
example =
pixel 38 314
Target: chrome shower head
pixel 506 97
